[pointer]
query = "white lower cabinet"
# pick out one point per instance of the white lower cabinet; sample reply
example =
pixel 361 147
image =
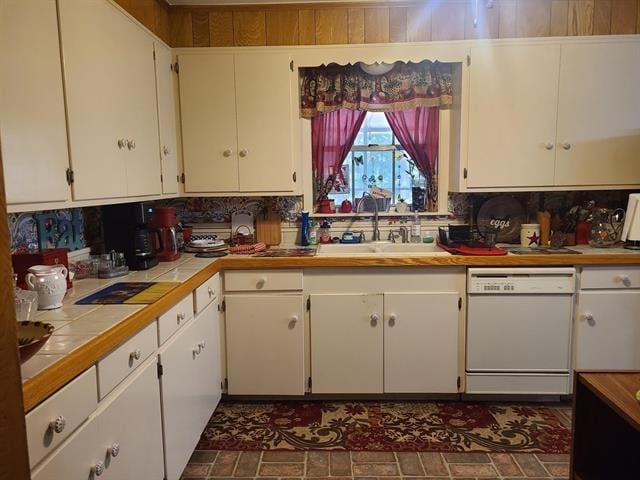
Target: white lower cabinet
pixel 265 344
pixel 386 338
pixel 607 326
pixel 190 387
pixel 122 439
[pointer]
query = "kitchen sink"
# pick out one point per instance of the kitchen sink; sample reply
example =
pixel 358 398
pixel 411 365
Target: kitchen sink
pixel 379 248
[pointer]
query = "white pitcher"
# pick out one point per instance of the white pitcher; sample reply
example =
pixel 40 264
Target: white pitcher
pixel 50 281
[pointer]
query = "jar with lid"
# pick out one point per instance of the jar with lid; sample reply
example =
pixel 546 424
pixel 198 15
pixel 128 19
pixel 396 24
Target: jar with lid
pixel 605 227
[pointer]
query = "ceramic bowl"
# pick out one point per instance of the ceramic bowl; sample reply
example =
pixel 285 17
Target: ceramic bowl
pixel 31 337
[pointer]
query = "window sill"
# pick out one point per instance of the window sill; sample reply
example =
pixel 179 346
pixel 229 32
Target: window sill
pixel 381 214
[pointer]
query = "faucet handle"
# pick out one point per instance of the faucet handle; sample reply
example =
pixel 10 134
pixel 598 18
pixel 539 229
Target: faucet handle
pixel 363 238
pixel 392 236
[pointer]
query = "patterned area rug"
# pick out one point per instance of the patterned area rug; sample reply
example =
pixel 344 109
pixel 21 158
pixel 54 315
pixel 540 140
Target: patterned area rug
pixel 387 426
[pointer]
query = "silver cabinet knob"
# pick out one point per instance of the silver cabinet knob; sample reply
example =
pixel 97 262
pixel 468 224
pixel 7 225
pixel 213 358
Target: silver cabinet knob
pixel 165 150
pixel 374 319
pixel 197 350
pixel 58 424
pixel 131 145
pixel 202 345
pixel 392 319
pixel 566 145
pixel 136 354
pixel 181 316
pixel 548 146
pixel 122 143
pixel 261 283
pixel 626 281
pixel 227 153
pixel 590 319
pixel 243 153
pixel 98 468
pixel 293 322
pixel 114 449
pixel 212 292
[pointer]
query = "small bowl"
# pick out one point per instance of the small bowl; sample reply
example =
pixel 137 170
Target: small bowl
pixel 31 337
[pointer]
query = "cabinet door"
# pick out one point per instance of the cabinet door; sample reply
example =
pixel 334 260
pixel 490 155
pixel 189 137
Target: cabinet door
pixel 165 91
pixel 131 423
pixel 265 344
pixel 265 124
pixel 32 117
pixel 208 114
pixel 109 79
pixel 346 343
pixel 513 101
pixel 190 387
pixel 421 342
pixel 607 330
pixel 75 458
pixel 599 115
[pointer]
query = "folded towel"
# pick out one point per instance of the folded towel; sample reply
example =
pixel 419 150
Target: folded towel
pixel 248 249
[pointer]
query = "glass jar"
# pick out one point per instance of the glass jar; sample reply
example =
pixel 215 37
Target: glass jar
pixel 604 231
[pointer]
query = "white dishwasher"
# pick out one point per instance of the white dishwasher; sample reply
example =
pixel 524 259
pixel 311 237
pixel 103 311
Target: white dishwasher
pixel 519 330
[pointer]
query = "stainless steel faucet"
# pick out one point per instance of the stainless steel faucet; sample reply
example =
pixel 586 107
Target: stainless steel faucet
pixel 376 231
pixel 402 232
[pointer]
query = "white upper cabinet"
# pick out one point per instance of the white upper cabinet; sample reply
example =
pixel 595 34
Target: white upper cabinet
pixel 111 103
pixel 165 80
pixel 599 115
pixel 554 115
pixel 513 100
pixel 237 122
pixel 32 117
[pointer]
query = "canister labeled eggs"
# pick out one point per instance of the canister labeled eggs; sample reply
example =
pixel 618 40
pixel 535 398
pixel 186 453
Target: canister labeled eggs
pixel 530 234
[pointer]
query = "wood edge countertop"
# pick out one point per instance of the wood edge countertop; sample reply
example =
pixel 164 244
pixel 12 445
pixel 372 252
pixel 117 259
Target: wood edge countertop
pixel 48 381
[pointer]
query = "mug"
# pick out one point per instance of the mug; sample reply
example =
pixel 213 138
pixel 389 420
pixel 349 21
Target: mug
pixel 530 234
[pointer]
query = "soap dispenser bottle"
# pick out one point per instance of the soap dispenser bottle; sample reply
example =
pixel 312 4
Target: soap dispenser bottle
pixel 416 231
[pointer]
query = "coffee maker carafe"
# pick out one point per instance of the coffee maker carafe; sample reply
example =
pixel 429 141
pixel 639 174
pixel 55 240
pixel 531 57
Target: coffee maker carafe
pixel 145 255
pixel 164 222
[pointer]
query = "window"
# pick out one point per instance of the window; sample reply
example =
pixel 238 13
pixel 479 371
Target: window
pixel 376 159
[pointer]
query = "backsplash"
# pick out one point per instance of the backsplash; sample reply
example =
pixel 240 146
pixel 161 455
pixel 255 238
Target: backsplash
pixel 196 210
pixel 72 228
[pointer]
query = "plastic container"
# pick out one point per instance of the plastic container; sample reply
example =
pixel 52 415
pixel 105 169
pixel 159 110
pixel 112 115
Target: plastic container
pixel 416 229
pixel 313 232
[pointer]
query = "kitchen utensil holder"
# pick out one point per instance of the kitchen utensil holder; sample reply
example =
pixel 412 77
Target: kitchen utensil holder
pixel 242 236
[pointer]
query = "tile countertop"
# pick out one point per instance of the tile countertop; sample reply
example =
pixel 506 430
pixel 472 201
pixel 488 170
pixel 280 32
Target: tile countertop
pixel 85 333
pixel 75 325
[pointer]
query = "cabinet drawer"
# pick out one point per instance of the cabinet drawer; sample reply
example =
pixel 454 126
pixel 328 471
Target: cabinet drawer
pixel 207 293
pixel 126 358
pixel 610 277
pixel 263 280
pixel 171 320
pixel 68 408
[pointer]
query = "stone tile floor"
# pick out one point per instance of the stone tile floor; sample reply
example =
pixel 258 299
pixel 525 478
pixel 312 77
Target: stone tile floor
pixel 336 465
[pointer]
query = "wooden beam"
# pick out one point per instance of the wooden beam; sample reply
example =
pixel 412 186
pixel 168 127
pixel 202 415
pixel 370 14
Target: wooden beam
pixel 14 460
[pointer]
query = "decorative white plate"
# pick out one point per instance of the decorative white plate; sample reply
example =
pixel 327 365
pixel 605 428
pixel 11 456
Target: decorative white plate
pixel 504 213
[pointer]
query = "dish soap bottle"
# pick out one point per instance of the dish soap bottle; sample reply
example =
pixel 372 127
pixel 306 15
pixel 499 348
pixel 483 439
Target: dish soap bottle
pixel 416 233
pixel 304 234
pixel 313 233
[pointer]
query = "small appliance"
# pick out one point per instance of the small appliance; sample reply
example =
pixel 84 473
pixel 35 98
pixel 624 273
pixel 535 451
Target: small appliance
pixel 125 231
pixel 631 229
pixel 164 221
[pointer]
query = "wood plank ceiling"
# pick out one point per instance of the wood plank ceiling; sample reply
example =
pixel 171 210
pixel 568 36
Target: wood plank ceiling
pixel 380 22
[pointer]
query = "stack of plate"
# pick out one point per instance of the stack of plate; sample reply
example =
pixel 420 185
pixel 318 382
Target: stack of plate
pixel 206 246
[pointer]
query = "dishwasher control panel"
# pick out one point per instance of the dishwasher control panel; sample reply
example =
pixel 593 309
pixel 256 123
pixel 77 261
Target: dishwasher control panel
pixel 521 280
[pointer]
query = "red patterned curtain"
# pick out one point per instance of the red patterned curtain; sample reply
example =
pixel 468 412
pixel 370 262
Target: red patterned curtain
pixel 332 136
pixel 417 131
pixel 407 85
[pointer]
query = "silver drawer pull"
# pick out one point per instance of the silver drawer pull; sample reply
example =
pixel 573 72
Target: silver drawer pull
pixel 136 354
pixel 392 319
pixel 58 424
pixel 114 449
pixel 98 468
pixel 626 281
pixel 202 344
pixel 374 319
pixel 212 292
pixel 261 283
pixel 293 322
pixel 181 317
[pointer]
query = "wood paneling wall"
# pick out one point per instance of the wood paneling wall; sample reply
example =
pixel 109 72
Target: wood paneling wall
pixel 153 14
pixel 341 23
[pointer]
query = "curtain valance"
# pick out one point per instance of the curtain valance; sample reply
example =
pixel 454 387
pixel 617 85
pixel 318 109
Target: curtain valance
pixel 328 88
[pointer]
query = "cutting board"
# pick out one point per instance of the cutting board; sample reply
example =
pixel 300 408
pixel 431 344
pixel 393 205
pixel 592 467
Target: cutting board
pixel 268 227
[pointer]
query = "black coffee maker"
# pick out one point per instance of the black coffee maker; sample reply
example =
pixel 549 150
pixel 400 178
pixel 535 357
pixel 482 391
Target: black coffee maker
pixel 125 231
